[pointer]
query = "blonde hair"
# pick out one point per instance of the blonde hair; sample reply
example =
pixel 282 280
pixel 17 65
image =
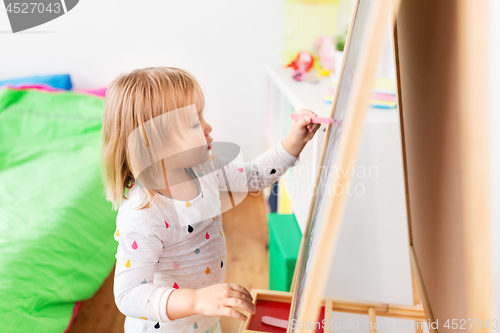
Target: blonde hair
pixel 131 100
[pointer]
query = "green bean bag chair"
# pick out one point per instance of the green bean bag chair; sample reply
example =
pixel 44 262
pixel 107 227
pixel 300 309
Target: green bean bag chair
pixel 56 228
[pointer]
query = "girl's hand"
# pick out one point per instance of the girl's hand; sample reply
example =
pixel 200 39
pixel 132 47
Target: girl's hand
pixel 301 132
pixel 220 300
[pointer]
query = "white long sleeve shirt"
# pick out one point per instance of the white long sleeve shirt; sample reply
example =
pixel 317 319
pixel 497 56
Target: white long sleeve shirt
pixel 180 244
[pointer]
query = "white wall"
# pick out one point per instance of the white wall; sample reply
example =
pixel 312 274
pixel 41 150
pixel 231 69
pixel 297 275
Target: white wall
pixel 225 44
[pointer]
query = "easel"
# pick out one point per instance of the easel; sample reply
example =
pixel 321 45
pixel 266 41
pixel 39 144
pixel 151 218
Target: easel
pixel 329 305
pixel 441 66
pixel 453 263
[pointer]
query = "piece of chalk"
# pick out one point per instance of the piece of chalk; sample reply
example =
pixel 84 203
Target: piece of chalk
pixel 314 120
pixel 275 322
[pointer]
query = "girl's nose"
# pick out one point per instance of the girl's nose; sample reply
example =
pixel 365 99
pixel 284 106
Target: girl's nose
pixel 208 129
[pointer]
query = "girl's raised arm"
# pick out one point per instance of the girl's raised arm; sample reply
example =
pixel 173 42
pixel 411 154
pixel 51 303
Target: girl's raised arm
pixel 268 167
pixel 257 174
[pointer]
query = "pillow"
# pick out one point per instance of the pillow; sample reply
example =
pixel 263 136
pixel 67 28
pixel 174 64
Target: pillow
pixel 40 86
pixel 101 92
pixel 61 81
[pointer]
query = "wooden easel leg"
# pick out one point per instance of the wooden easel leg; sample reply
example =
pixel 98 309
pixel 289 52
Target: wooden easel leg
pixel 415 283
pixel 372 317
pixel 328 314
pixel 416 299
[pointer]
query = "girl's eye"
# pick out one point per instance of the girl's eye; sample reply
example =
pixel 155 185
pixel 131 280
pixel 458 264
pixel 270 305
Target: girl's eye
pixel 196 125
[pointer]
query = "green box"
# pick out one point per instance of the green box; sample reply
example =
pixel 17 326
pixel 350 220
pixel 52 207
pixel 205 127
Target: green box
pixel 284 244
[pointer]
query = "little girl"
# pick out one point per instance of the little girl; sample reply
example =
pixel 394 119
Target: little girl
pixel 171 256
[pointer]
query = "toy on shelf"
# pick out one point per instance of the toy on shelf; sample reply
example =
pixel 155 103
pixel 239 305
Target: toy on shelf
pixel 326 55
pixel 302 63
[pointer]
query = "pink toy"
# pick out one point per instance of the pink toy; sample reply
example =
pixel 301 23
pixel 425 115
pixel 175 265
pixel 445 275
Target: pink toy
pixel 326 52
pixel 101 92
pixel 302 63
pixel 314 120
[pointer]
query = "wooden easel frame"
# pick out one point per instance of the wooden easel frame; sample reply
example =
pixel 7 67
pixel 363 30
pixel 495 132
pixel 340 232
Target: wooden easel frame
pixel 332 304
pixel 382 11
pixel 466 34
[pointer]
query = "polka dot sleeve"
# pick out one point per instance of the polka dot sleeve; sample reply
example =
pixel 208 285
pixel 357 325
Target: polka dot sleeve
pixel 263 171
pixel 140 243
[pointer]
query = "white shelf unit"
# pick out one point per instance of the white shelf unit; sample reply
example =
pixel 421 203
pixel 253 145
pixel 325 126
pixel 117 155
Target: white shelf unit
pixel 286 96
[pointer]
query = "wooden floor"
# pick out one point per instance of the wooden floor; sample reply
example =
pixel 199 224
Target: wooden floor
pixel 247 241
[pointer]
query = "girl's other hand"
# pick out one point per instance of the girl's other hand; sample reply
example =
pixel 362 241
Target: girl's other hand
pixel 220 300
pixel 301 132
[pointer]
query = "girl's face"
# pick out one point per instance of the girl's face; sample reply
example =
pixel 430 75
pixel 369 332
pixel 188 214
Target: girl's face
pixel 193 147
pixel 176 140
